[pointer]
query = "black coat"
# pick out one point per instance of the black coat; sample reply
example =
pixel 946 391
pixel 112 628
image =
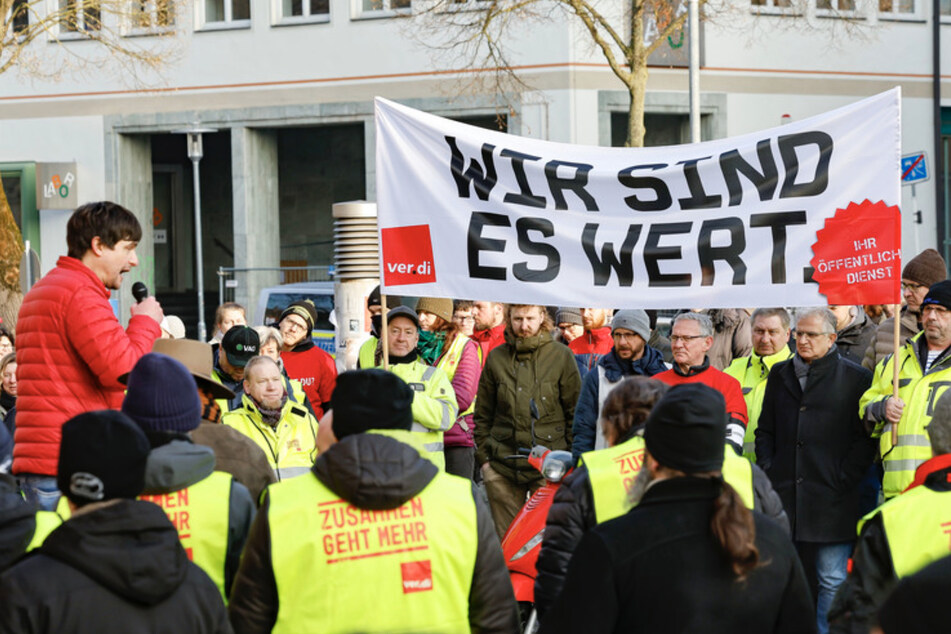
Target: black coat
pixel 813 447
pixel 117 568
pixel 572 515
pixel 659 569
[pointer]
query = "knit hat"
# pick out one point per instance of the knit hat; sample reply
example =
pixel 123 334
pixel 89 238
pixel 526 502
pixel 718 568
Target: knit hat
pixel 939 294
pixel 370 399
pixel 635 320
pixel 240 345
pixel 567 315
pixel 303 308
pixel 437 306
pixel 917 604
pixel 927 268
pixel 686 430
pixel 102 456
pixel 161 395
pixel 403 311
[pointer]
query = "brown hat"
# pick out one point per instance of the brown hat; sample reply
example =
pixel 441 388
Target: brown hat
pixel 437 306
pixel 197 357
pixel 927 268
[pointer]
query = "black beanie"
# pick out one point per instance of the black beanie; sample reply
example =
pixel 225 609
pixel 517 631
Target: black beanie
pixel 370 399
pixel 686 430
pixel 939 294
pixel 102 456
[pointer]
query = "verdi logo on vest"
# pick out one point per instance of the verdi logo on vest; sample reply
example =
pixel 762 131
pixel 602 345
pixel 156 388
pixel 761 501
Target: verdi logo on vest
pixel 407 255
pixel 417 576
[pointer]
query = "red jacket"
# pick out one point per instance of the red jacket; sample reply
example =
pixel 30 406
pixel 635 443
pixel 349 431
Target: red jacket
pixel 70 350
pixel 489 339
pixel 597 341
pixel 721 382
pixel 316 371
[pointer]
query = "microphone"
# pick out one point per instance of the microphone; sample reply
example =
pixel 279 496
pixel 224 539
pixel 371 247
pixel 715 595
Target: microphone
pixel 139 292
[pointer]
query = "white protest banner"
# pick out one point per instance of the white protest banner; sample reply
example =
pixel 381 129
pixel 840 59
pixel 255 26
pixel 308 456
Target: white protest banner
pixel 470 213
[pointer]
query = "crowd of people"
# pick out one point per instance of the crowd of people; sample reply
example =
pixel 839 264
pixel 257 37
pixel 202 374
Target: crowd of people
pixel 748 470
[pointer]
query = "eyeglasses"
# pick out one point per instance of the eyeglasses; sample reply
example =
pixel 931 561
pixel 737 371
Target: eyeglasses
pixel 464 319
pixel 911 286
pixel 685 338
pixel 802 334
pixel 294 326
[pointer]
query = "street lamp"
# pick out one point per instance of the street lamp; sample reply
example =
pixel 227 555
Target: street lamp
pixel 193 134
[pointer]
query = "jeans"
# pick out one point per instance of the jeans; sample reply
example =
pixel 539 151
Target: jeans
pixel 826 567
pixel 40 490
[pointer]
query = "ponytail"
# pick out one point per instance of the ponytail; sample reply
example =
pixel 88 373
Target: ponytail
pixel 732 525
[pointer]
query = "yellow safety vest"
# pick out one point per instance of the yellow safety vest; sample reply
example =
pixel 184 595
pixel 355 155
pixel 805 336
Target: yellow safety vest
pixel 612 472
pixel 366 358
pixel 920 392
pixel 752 372
pixel 449 363
pixel 291 447
pixel 917 526
pixel 339 568
pixel 200 515
pixel 46 523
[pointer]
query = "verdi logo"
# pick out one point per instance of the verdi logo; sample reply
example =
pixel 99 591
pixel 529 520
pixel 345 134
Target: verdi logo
pixel 407 255
pixel 417 576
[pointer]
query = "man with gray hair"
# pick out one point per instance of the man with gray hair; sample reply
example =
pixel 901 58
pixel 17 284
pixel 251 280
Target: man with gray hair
pixel 691 337
pixel 903 535
pixel 811 443
pixel 630 356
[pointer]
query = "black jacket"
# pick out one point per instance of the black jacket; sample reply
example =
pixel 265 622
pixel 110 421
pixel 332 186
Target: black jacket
pixel 116 568
pixel 373 472
pixel 813 447
pixel 17 522
pixel 572 515
pixel 658 569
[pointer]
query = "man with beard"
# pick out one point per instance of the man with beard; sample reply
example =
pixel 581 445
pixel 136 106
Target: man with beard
pixel 529 368
pixel 489 330
pixel 630 356
pixel 71 349
pixel 924 365
pixel 689 557
pixel 594 342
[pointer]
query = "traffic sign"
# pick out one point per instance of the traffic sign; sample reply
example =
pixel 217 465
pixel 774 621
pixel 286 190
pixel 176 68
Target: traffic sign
pixel 914 168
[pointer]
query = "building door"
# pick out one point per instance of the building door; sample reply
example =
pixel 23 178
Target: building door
pixel 172 231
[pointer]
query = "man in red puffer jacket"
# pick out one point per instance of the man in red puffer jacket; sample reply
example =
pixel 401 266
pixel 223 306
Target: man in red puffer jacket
pixel 70 346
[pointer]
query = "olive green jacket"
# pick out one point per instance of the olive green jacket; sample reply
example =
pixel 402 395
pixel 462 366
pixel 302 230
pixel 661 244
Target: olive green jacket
pixel 516 372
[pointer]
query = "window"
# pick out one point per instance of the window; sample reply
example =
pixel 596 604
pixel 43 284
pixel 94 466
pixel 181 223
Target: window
pixel 20 15
pixel 897 8
pixel 378 8
pixel 945 8
pixel 771 6
pixel 297 11
pixel 79 16
pixel 226 13
pixel 152 15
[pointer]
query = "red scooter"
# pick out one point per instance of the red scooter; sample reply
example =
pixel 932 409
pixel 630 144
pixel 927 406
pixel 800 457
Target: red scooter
pixel 523 539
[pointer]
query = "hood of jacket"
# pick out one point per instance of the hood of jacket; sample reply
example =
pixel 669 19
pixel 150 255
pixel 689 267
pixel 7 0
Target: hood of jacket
pixel 129 547
pixel 177 465
pixel 851 333
pixel 650 363
pixel 374 472
pixel 527 345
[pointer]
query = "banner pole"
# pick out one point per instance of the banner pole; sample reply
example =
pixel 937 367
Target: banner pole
pixel 895 338
pixel 384 340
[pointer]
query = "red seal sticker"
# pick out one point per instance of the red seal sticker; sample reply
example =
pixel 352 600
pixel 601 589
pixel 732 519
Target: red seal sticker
pixel 857 255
